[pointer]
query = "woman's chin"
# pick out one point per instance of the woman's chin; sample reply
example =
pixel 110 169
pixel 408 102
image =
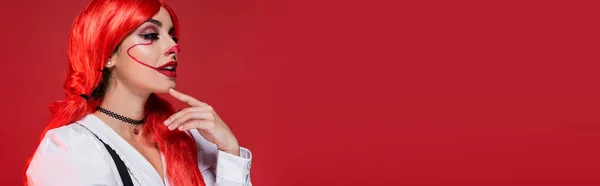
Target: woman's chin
pixel 164 89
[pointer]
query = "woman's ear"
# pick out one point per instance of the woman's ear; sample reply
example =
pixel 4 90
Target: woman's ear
pixel 111 61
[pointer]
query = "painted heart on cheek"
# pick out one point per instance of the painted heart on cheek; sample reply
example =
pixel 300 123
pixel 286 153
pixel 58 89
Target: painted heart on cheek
pixel 168 69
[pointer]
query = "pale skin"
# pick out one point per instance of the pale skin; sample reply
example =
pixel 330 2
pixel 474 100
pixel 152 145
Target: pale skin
pixel 131 84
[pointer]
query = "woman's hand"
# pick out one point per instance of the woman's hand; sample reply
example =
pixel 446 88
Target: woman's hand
pixel 201 116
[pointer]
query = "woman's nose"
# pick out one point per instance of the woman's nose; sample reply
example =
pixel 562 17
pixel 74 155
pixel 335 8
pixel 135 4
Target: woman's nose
pixel 173 50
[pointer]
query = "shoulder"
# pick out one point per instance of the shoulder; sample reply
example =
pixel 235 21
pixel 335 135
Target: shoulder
pixel 72 130
pixel 72 138
pixel 65 153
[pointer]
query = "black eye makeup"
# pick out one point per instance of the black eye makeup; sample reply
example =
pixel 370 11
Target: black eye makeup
pixel 151 32
pixel 150 36
pixel 171 31
pixel 153 36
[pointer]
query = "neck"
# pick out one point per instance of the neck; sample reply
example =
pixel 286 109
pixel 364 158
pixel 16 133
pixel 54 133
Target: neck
pixel 125 102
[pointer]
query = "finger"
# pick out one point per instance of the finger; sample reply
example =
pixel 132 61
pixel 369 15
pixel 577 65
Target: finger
pixel 201 125
pixel 177 115
pixel 206 108
pixel 186 98
pixel 191 116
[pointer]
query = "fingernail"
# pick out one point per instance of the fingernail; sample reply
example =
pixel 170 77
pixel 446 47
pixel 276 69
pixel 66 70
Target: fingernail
pixel 166 122
pixel 181 128
pixel 171 127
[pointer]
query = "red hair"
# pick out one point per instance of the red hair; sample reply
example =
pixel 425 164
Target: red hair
pixel 96 34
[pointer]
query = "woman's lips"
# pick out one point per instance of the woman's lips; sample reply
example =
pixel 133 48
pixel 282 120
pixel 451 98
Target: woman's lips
pixel 168 69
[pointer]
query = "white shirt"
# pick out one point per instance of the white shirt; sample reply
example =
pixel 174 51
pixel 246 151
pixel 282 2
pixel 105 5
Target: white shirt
pixel 72 155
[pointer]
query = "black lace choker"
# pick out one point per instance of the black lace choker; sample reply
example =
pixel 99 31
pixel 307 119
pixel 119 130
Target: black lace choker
pixel 122 118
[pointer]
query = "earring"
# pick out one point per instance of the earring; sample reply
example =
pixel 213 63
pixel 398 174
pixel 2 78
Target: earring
pixel 109 63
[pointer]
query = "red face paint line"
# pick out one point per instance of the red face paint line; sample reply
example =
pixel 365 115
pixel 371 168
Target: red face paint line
pixel 168 69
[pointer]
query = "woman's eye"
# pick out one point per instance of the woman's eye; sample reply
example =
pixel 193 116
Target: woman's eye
pixel 150 36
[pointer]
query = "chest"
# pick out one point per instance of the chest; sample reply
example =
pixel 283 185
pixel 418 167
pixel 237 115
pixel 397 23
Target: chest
pixel 152 154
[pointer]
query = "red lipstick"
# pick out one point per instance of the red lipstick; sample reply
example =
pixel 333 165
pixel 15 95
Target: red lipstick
pixel 168 69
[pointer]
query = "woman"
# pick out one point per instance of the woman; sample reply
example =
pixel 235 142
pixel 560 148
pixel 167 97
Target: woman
pixel 111 129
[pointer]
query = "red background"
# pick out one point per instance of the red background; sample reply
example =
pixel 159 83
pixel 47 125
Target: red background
pixel 357 92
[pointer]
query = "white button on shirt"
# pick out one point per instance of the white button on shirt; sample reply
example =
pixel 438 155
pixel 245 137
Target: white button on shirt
pixel 72 155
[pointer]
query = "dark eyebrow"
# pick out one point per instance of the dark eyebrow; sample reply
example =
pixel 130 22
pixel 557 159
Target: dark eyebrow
pixel 156 22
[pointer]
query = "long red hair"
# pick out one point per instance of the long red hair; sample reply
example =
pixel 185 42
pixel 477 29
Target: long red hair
pixel 96 34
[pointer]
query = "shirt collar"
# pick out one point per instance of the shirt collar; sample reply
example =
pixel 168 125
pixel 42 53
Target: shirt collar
pixel 134 160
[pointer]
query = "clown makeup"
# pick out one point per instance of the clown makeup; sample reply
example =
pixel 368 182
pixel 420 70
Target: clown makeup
pixel 149 33
pixel 147 58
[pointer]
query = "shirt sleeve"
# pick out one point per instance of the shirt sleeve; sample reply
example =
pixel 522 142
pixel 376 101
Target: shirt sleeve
pixel 232 169
pixel 62 159
pixel 220 168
